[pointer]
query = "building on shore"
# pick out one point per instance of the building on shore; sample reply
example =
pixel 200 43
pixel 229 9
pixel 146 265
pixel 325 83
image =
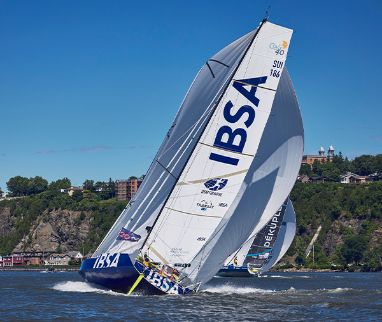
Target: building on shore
pixel 70 191
pixel 11 260
pixel 126 189
pixel 40 258
pixel 57 259
pixel 63 259
pixel 350 177
pixel 320 157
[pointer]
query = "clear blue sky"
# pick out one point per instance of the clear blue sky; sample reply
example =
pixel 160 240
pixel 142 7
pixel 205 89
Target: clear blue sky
pixel 88 89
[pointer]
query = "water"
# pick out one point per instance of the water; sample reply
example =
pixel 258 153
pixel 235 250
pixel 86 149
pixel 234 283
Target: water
pixel 277 296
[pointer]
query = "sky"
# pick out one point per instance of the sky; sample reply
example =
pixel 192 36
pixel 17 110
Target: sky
pixel 88 89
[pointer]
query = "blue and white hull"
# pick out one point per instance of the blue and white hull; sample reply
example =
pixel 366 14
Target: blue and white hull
pixel 234 272
pixel 115 272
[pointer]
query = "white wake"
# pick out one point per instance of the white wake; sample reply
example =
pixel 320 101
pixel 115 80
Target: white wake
pixel 230 289
pixel 82 287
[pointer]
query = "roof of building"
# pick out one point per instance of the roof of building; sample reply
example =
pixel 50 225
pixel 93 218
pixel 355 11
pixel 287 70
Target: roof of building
pixel 314 156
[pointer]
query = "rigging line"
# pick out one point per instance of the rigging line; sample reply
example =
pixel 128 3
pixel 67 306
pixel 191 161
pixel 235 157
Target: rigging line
pixel 166 169
pixel 213 101
pixel 219 62
pixel 190 129
pixel 209 67
pixel 202 132
pixel 163 182
pixel 170 162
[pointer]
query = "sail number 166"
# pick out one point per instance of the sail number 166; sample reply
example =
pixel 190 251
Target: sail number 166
pixel 277 65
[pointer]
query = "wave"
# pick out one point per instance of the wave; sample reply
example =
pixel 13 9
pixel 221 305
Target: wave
pixel 286 277
pixel 82 287
pixel 231 289
pixel 339 290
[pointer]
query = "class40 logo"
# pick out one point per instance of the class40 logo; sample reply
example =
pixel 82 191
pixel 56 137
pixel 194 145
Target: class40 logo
pixel 279 48
pixel 216 184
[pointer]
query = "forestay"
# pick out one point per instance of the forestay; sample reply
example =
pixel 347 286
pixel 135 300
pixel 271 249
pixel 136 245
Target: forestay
pixel 212 184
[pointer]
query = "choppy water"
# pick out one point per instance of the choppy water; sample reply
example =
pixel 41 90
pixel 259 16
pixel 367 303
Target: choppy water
pixel 277 296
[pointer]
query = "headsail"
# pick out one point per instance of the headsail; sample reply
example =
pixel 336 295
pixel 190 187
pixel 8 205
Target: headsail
pixel 222 169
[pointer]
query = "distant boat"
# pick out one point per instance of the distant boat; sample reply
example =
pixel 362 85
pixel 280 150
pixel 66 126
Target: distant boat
pixel 220 174
pixel 261 252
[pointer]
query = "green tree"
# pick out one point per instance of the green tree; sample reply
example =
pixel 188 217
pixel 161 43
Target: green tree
pixel 111 188
pixel 364 165
pixel 77 195
pixel 353 249
pixel 59 184
pixel 37 185
pixel 18 186
pixel 89 185
pixel 306 169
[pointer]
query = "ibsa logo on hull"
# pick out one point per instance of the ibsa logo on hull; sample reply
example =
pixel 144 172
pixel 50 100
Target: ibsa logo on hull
pixel 107 260
pixel 234 140
pixel 163 283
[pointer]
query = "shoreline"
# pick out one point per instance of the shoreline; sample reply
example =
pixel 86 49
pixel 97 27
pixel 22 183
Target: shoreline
pixel 76 269
pixel 40 269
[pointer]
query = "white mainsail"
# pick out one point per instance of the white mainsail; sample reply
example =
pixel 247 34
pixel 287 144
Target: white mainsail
pixel 204 204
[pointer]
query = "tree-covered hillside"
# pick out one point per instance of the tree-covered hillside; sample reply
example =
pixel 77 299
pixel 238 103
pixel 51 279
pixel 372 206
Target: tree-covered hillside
pixel 351 220
pixel 350 215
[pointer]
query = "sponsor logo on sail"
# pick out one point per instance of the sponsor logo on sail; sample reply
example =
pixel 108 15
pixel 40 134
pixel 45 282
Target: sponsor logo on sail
pixel 205 205
pixel 271 230
pixel 233 140
pixel 216 184
pixel 279 48
pixel 125 234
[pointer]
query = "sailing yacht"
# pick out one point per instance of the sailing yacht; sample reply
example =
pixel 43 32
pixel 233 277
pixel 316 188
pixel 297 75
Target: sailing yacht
pixel 219 176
